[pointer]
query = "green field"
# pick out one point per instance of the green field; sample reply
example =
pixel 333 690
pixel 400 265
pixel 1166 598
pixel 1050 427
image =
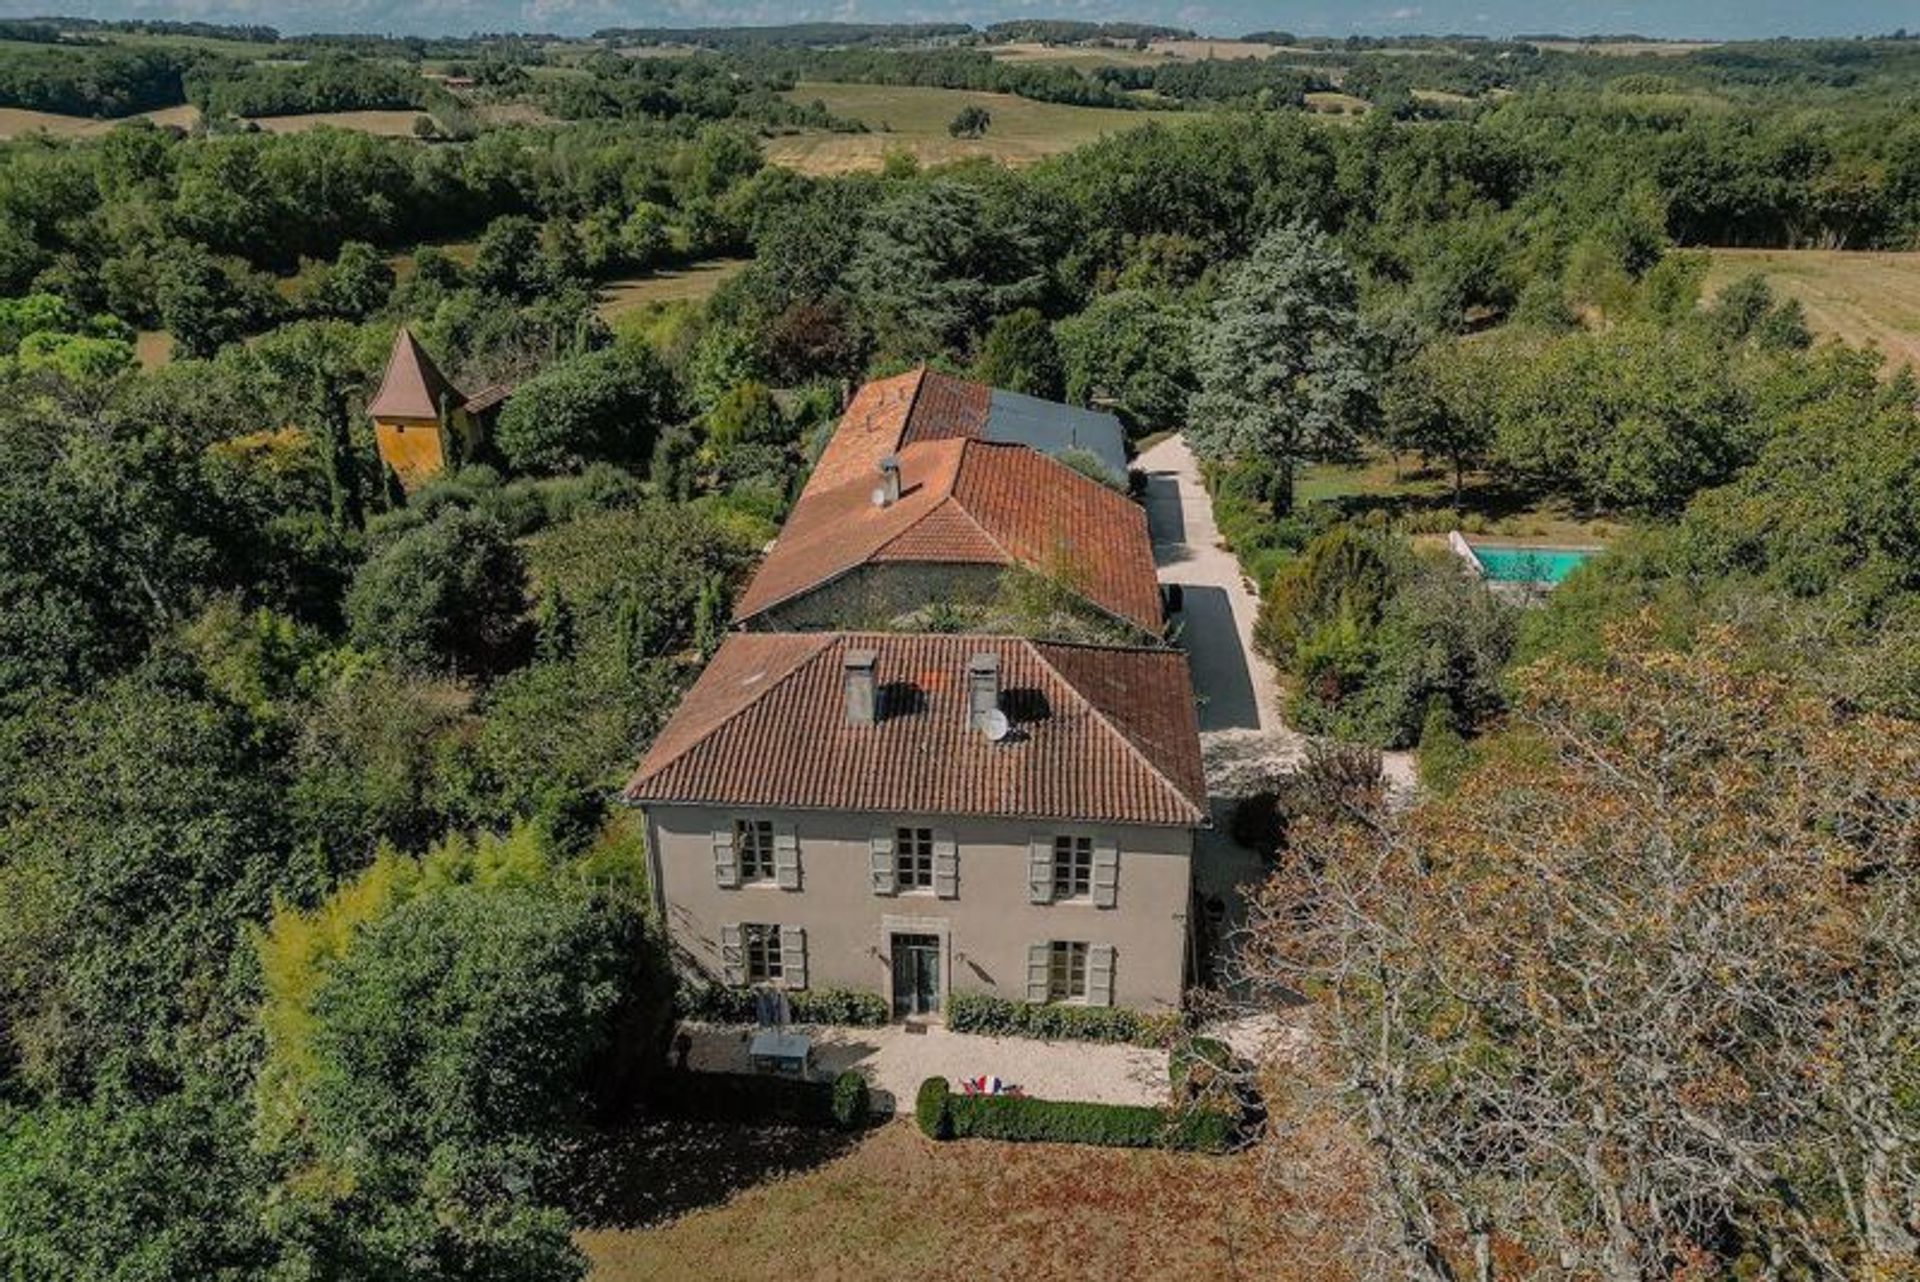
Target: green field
pixel 914 120
pixel 1861 297
pixel 668 285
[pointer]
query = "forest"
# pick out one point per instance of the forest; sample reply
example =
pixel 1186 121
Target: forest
pixel 326 953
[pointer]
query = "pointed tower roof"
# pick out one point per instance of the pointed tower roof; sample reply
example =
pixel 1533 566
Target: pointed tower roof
pixel 413 385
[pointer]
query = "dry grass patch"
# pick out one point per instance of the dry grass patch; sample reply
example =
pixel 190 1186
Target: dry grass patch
pixel 18 122
pixel 386 124
pixel 1860 297
pixel 1329 103
pixel 914 119
pixel 153 348
pixel 899 1205
pixel 696 280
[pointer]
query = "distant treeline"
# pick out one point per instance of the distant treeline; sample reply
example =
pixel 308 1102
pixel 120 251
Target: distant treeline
pixel 797 35
pixel 1061 31
pixel 163 27
pixel 105 81
pixel 330 82
pixel 668 88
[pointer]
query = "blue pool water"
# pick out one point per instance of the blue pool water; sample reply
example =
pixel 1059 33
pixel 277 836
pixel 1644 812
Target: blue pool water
pixel 1529 565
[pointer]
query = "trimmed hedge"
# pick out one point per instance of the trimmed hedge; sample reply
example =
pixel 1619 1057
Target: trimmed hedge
pixel 852 1101
pixel 722 1004
pixel 944 1115
pixel 1051 1021
pixel 930 1109
pixel 759 1097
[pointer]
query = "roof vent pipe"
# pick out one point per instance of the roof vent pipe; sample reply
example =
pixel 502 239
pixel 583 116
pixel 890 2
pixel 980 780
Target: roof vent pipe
pixel 863 702
pixel 983 690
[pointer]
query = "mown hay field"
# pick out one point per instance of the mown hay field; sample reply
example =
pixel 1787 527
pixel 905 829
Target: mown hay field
pixel 1861 297
pixel 913 119
pixel 18 122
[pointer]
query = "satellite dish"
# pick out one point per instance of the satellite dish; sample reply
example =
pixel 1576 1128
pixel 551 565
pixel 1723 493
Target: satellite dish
pixel 996 725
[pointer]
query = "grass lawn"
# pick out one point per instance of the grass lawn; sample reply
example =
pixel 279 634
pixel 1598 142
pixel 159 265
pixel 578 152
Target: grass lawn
pixel 898 1205
pixel 1407 489
pixel 914 119
pixel 672 284
pixel 386 124
pixel 1859 296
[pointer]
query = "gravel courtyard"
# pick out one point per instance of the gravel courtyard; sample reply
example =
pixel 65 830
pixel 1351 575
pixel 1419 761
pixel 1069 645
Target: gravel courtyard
pixel 895 1062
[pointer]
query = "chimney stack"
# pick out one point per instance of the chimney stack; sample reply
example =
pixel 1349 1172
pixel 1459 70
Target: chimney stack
pixel 983 689
pixel 863 697
pixel 889 492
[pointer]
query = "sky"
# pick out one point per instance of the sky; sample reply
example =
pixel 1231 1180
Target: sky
pixel 1715 19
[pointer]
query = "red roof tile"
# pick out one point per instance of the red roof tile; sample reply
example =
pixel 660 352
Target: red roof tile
pixel 413 386
pixel 946 407
pixel 1101 733
pixel 973 502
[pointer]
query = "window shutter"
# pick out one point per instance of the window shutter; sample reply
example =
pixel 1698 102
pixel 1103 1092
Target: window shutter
pixel 880 860
pixel 726 861
pixel 1106 872
pixel 1100 974
pixel 946 865
pixel 786 857
pixel 793 956
pixel 1037 972
pixel 1040 869
pixel 733 955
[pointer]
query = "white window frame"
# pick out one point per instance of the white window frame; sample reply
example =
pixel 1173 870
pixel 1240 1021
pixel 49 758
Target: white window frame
pixel 760 953
pixel 1073 857
pixel 913 859
pixel 753 846
pixel 1066 968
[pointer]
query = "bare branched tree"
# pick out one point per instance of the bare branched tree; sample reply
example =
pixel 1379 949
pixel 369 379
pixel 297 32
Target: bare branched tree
pixel 1640 994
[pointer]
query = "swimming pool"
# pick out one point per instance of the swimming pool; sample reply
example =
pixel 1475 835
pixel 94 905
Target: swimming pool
pixel 1528 564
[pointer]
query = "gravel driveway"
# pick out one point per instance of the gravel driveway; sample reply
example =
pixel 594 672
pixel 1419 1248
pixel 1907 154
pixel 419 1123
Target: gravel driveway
pixel 896 1061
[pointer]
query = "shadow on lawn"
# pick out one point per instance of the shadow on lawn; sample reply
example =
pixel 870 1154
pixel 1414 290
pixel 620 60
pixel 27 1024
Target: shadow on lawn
pixel 649 1170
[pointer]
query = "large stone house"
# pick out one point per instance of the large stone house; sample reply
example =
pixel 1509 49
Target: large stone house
pixel 849 799
pixel 918 814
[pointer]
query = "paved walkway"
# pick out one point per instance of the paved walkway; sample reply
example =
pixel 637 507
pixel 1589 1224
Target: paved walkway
pixel 1243 737
pixel 895 1062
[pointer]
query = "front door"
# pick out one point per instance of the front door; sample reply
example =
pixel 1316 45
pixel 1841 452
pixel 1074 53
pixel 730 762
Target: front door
pixel 916 975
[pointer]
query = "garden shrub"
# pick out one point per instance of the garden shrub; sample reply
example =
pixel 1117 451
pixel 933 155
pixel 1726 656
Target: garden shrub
pixel 852 1101
pixel 763 1097
pixel 1199 1059
pixel 943 1115
pixel 931 1109
pixel 1003 1017
pixel 839 1007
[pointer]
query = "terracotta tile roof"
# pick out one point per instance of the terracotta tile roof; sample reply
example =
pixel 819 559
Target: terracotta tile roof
pixel 488 397
pixel 870 427
pixel 973 502
pixel 1101 733
pixel 413 385
pixel 947 407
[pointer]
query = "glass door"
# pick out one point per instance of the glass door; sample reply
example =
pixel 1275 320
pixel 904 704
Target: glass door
pixel 916 975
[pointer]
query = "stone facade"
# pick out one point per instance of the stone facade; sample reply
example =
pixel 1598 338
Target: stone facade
pixel 982 910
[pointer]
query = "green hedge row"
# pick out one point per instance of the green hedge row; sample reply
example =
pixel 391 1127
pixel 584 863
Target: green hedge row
pixel 1001 1017
pixel 755 1097
pixel 723 1004
pixel 943 1115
